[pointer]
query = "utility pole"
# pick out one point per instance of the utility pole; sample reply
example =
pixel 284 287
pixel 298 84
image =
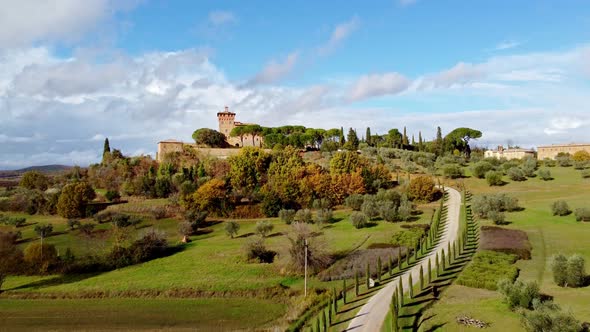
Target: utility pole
pixel 305 283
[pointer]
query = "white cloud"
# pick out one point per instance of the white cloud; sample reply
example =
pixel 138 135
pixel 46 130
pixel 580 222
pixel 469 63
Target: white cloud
pixel 507 44
pixel 27 21
pixel 275 71
pixel 460 74
pixel 339 34
pixel 378 85
pixel 220 17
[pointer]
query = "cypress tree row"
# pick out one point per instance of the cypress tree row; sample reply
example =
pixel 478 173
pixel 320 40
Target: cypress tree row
pixel 411 285
pixel 394 313
pixel 379 269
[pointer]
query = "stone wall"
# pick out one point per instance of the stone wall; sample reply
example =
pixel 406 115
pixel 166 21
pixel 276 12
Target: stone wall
pixel 166 147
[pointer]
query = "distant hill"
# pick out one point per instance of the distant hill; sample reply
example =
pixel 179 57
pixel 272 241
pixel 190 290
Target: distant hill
pixel 46 169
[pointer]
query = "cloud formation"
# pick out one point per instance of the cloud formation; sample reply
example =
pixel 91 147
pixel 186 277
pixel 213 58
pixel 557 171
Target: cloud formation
pixel 275 70
pixel 378 85
pixel 339 34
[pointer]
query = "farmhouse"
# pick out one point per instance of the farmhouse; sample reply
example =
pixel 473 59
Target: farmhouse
pixel 509 153
pixel 551 151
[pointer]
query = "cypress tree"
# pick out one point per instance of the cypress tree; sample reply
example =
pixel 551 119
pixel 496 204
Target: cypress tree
pixel 344 291
pixel 408 254
pixel 390 266
pixel 394 312
pixel 416 251
pixel 401 291
pixel 454 251
pixel 411 285
pixel 437 265
pixel 317 325
pixel 420 142
pixel 449 252
pixel 368 136
pixel 404 138
pixel 413 140
pixel 330 315
pixel 379 269
pixel 324 321
pixel 335 300
pixel 421 278
pixel 399 258
pixel 368 275
pixel 443 260
pixel 439 142
pixel 342 140
pixel 429 272
pixel 356 283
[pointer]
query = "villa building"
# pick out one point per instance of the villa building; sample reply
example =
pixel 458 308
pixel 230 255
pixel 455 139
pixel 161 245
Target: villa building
pixel 509 153
pixel 551 151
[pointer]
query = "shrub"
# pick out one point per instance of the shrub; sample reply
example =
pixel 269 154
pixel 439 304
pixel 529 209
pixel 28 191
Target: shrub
pixel 585 174
pixel 359 220
pixel 494 178
pixel 548 317
pixel 452 171
pixel 580 165
pixel 354 201
pixel 158 212
pixel 484 204
pixel 545 174
pixel 387 211
pixel 404 212
pixel 12 221
pixel 422 189
pixel 549 162
pixel 232 228
pixel 516 174
pixel 559 268
pixel 256 250
pixel 322 203
pixel 582 214
pixel 563 160
pixel 576 271
pixel 519 294
pixel 43 231
pixel 264 227
pixel 481 168
pixel 487 268
pixel 150 245
pixel 497 217
pixel 560 208
pixel 73 199
pixel 369 207
pixel 40 255
pixel 73 223
pixel 303 216
pixel 86 229
pixel 407 238
pixel 324 216
pixel 112 195
pixel 287 216
pixel 271 205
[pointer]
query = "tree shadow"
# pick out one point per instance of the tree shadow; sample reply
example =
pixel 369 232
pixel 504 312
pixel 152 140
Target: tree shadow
pixel 244 235
pixel 275 234
pixel 58 280
pixel 435 327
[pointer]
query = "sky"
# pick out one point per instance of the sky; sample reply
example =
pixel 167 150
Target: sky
pixel 74 72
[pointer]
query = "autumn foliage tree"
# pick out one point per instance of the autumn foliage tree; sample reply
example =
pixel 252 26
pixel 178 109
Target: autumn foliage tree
pixel 211 197
pixel 422 189
pixel 73 199
pixel 34 180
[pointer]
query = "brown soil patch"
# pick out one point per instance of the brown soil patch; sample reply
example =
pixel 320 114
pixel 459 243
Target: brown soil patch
pixel 505 240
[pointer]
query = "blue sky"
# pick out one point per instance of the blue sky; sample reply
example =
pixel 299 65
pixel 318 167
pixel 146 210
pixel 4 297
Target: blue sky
pixel 72 72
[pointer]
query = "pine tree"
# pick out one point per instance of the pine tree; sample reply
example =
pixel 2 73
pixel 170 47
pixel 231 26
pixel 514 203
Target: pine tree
pixel 411 285
pixel 421 278
pixel 379 269
pixel 368 137
pixel 356 283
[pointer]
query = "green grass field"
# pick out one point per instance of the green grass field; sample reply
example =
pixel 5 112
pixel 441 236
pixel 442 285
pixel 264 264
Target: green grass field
pixel 548 235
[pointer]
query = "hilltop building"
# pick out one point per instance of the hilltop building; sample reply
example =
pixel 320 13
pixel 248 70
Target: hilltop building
pixel 227 123
pixel 551 151
pixel 509 153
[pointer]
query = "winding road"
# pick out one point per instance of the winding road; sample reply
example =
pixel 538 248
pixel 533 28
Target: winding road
pixel 371 316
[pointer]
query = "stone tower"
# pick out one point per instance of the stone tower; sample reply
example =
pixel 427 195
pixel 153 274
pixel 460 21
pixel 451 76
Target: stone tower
pixel 226 121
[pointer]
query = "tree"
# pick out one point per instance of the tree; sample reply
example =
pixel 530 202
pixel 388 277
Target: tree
pixel 34 180
pixel 263 228
pixel 559 267
pixel 420 142
pixel 324 216
pixel 516 174
pixel 211 197
pixel 287 216
pixel 581 155
pixel 303 216
pixel 460 137
pixel 232 228
pixel 548 317
pixel 209 137
pixel 248 169
pixel 576 271
pixel 354 201
pixel 494 178
pixel 106 150
pixel 12 255
pixel 394 138
pixel 545 174
pixel 481 168
pixel 352 141
pixel 317 257
pixel 405 138
pixel 359 220
pixel 238 132
pixel 73 199
pixel 560 208
pixel 439 143
pixel 43 231
pixel 422 189
pixel 341 139
pixel 41 255
pixel 368 137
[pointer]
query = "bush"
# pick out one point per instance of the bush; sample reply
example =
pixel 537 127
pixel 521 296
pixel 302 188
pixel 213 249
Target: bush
pixel 359 220
pixel 369 207
pixel 548 317
pixel 516 174
pixel 407 238
pixel 580 165
pixel 158 212
pixel 322 203
pixel 324 216
pixel 150 245
pixel 263 228
pixel 387 211
pixel 287 216
pixel 303 216
pixel 73 223
pixel 481 168
pixel 487 268
pixel 453 171
pixel 86 229
pixel 549 162
pixel 582 214
pixel 354 201
pixel 576 271
pixel 497 217
pixel 560 208
pixel 42 256
pixel 422 189
pixel 585 174
pixel 559 268
pixel 256 250
pixel 494 178
pixel 563 160
pixel 271 205
pixel 112 195
pixel 12 221
pixel 232 228
pixel 519 294
pixel 545 175
pixel 482 205
pixel 404 212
